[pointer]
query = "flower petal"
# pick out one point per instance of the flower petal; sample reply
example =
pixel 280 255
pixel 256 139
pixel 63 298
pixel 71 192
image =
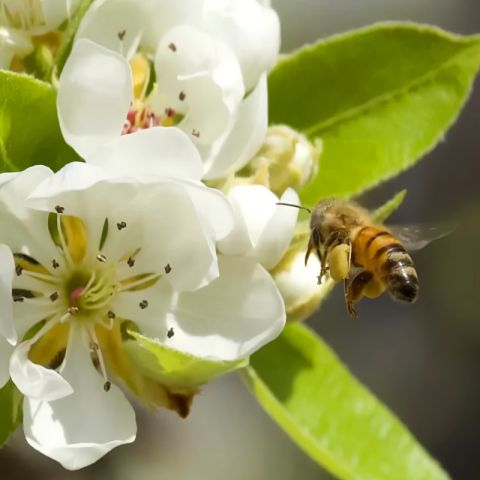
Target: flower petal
pixel 27 230
pixel 5 351
pixel 56 12
pixel 35 381
pixel 253 206
pixel 251 30
pixel 245 138
pixel 201 79
pixel 7 269
pixel 117 25
pixel 277 233
pixel 157 151
pixel 230 318
pixel 94 95
pixel 79 429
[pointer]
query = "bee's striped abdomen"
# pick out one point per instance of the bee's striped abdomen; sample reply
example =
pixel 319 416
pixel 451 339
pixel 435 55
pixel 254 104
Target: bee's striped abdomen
pixel 378 251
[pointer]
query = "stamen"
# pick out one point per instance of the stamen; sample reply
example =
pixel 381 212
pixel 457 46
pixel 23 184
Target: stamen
pixel 172 47
pixel 130 262
pixel 101 258
pixel 121 34
pixel 168 268
pixel 182 95
pixel 55 264
pixel 59 209
pixel 170 332
pixel 111 315
pixel 121 225
pixel 101 362
pixel 195 133
pixel 18 270
pixel 63 243
pixel 143 304
pixel 54 296
pixel 126 285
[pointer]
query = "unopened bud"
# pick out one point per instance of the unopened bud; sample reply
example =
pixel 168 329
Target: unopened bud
pixel 291 160
pixel 298 284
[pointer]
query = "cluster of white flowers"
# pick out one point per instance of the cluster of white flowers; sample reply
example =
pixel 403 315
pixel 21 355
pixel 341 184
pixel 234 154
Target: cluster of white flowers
pixel 160 99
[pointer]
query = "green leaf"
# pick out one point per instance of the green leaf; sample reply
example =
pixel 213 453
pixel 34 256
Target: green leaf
pixel 379 98
pixel 172 368
pixel 383 212
pixel 340 424
pixel 29 129
pixel 70 33
pixel 10 411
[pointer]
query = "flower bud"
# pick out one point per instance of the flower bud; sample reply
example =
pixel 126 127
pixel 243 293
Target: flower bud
pixel 290 158
pixel 298 283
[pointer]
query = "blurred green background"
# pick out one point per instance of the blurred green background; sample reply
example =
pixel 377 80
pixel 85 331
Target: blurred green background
pixel 421 360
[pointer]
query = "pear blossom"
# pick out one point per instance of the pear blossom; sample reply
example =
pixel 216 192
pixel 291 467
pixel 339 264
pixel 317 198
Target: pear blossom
pixel 210 60
pixel 263 230
pixel 21 20
pixel 97 249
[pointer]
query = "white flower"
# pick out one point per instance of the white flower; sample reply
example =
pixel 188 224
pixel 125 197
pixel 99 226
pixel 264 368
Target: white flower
pixel 263 229
pixel 96 250
pixel 203 73
pixel 22 19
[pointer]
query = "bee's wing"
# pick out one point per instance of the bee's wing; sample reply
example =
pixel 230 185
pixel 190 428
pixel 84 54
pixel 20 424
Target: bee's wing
pixel 415 237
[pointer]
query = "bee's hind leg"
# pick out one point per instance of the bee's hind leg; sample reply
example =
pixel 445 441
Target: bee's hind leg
pixel 354 290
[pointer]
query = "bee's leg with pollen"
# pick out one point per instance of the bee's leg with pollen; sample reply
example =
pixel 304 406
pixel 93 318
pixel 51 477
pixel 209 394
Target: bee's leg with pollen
pixel 354 290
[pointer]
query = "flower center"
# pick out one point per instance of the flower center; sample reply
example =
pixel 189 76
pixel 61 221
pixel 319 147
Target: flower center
pixel 78 285
pixel 93 292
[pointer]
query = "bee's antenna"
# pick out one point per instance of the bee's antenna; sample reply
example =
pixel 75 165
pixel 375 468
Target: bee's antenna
pixel 296 206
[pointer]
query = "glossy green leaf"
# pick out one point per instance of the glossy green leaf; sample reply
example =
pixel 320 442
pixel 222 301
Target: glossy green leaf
pixel 383 212
pixel 339 423
pixel 172 368
pixel 29 129
pixel 379 98
pixel 10 411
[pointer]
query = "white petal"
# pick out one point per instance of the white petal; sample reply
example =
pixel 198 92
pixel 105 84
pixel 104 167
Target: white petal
pixel 245 138
pixel 115 24
pixel 56 12
pixel 35 381
pixel 27 230
pixel 7 269
pixel 178 236
pixel 277 233
pixel 165 14
pixel 212 207
pixel 207 73
pixel 250 30
pixel 94 96
pixel 5 351
pixel 253 207
pixel 158 151
pixel 230 318
pixel 79 429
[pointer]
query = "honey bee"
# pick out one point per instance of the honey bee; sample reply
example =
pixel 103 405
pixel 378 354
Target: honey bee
pixel 369 257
